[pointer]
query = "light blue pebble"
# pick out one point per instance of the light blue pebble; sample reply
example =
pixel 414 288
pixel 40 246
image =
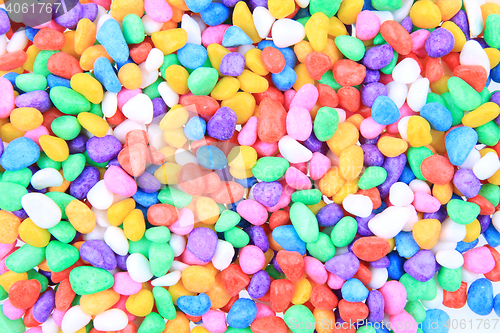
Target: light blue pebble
pixel 234 37
pixel 20 153
pixel 57 81
pixel 354 290
pixel 406 245
pixel 385 111
pixel 105 74
pixel 459 143
pixel 192 55
pixel 195 128
pixel 242 313
pixel 496 304
pixel 215 14
pixel 480 297
pixel 211 158
pixel 438 116
pixel 286 79
pixel 197 6
pixel 288 239
pixel 111 37
pixel 146 199
pixel 436 321
pixel 194 305
pixel 11 76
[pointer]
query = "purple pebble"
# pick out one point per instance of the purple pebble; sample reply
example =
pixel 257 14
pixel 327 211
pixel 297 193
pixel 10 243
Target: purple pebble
pixel 21 213
pixel 439 43
pixel 375 302
pixel 202 243
pixel 484 222
pixel 84 182
pixel 78 144
pixel 159 107
pixel 440 215
pixel 252 4
pixel 267 193
pixel 89 11
pixel 38 99
pixel 258 237
pixel 114 161
pixel 121 261
pixel 148 183
pixel 394 167
pixel 365 141
pixel 383 262
pixel 103 149
pixel 372 155
pixel 276 265
pixel 1 147
pixel 363 229
pixel 378 57
pixel 422 266
pixel 224 174
pixel 495 98
pixel 232 64
pixel 312 143
pixel 481 42
pixel 461 20
pixel 98 254
pixel 344 266
pixel 372 75
pixel 371 91
pixel 230 3
pixel 467 183
pixel 329 215
pixel 407 24
pixel 44 306
pixel 4 22
pixel 68 14
pixel 259 284
pixel 222 124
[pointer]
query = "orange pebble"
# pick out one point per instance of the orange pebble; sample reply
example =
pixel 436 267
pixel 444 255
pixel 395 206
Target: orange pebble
pixel 269 324
pixel 349 98
pixel 352 312
pixel 363 274
pixel 456 299
pixel 292 264
pixel 396 36
pixel 273 60
pixel 228 192
pixel 48 39
pixel 64 65
pixel 475 76
pixel 12 60
pixel 433 69
pixel 317 64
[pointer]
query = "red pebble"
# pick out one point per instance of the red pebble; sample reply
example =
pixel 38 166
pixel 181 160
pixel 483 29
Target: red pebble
pixel 203 105
pixel 139 52
pixel 267 297
pixel 234 280
pixel 229 304
pixel 212 182
pixel 327 96
pixel 130 328
pixel 452 60
pixel 264 148
pixel 194 319
pixel 228 192
pixel 64 65
pixel 271 92
pixel 104 3
pixel 455 299
pixel 12 60
pixel 486 207
pixel 433 69
pixel 64 295
pixel 278 219
pixel 437 169
pixel 281 294
pixel 292 264
pixel 352 312
pixel 371 248
pixel 191 179
pixel 24 294
pixel 116 119
pixel 494 274
pixel 133 159
pixel 28 319
pixel 272 121
pixel 475 76
pixel 397 37
pixel 374 196
pixel 363 274
pixel 273 60
pixel 317 64
pixel 136 136
pixel 349 98
pixel 49 39
pixel 271 324
pixel 49 116
pixel 162 215
pixel 348 73
pixel 323 298
pixel 154 156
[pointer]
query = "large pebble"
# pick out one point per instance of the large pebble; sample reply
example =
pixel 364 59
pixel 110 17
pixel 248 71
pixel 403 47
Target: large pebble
pixel 41 209
pixel 390 222
pixel 12 160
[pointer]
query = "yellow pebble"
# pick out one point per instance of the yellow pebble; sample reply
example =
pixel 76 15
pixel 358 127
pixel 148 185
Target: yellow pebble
pixel 303 76
pixel 168 173
pixel 243 104
pixel 346 135
pixel 473 231
pixel 392 243
pixel 425 14
pixel 180 324
pixel 303 291
pixel 419 132
pixel 457 33
pixel 351 162
pixel 281 8
pixel 391 147
pixel 252 83
pixel 197 279
pixel 493 55
pixel 426 233
pixel 332 51
pixel 226 88
pixel 175 137
pixel 438 141
pixel 178 290
pixel 242 17
pixel 350 187
pixel 215 54
pixel 55 148
pixel 169 153
pixel 177 77
pixel 33 235
pixel 440 86
pixel 253 61
pixel 69 44
pixel 242 157
pixel 8 278
pixel 26 119
pixel 324 316
pixel 495 179
pixel 199 329
pixel 317 31
pixel 302 49
pixel 93 123
pixel 8 133
pixel 485 151
pixel 130 76
pixel 80 216
pixel 207 210
pixel 331 182
pixel 90 55
pixel 480 116
pixel 315 208
pixel 9 227
pixel 169 41
pixel 85 35
pixel 134 225
pixel 88 86
pixel 175 118
pixel 140 304
pixel 448 8
pixel 442 192
pixel 241 173
pixel 31 52
pixel 99 302
pixel 121 8
pixel 336 27
pixel 118 211
pixel 349 10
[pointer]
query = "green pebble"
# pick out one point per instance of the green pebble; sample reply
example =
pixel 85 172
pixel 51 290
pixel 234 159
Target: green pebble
pixel 488 134
pixel 344 231
pixel 46 162
pixel 237 237
pixel 323 249
pixel 307 197
pixel 238 330
pixel 60 255
pixel 62 200
pixel 152 323
pixel 96 109
pixel 435 98
pixel 68 101
pixel 31 82
pixel 304 222
pixel 465 97
pixel 366 329
pixel 416 310
pixel 34 275
pixel 300 319
pixel 326 123
pixel 161 257
pixel 415 158
pixel 388 69
pixel 152 90
pixel 76 300
pixel 25 258
pixel 416 290
pixel 390 5
pixel 492 31
pixel 450 279
pixel 304 20
pixel 485 95
pixel 327 7
pixel 63 232
pixel 269 168
pixel 40 64
pixel 274 273
pixel 10 196
pixel 456 113
pixel 174 197
pixel 372 177
pixel 87 280
pixel 462 212
pixel 207 63
pixel 3 294
pixel 10 326
pixel 21 177
pixel 158 234
pixel 164 303
pixel 202 80
pixel 351 47
pixel 491 192
pixel 141 246
pixel 91 162
pixel 169 60
pixel 73 166
pixel 66 127
pixel 227 220
pixel 379 40
pixel 133 30
pixel 329 80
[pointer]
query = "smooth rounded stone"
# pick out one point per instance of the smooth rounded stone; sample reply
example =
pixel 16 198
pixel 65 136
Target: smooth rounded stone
pixel 358 205
pixel 44 306
pixel 421 266
pixel 111 320
pixel 397 92
pixel 138 267
pixel 139 109
pixel 87 280
pixel 98 254
pixel 329 215
pixel 344 266
pixel 451 259
pixel 148 183
pixel 293 151
pixel 167 280
pixel 222 124
pixel 378 57
pixel 375 303
pixel 84 182
pixel 211 158
pixel 202 243
pixel 47 177
pixel 304 222
pixel 77 145
pixel 480 297
pixel 99 196
pixel 232 64
pixel 287 32
pixel 401 195
pixel 119 182
pixel 385 111
pixel 267 193
pixel 60 256
pixel 487 166
pixel 103 149
pixel 259 284
pixel 407 71
pixel 38 99
pixel 438 116
pixel 417 94
pixel 116 240
pixel 325 125
pixel 371 91
pixel 439 43
pixel 194 305
pixel 75 319
pixel 372 155
pixel 467 183
pixel 41 209
pixel 459 143
pixel 263 20
pixel 11 160
pixel 390 222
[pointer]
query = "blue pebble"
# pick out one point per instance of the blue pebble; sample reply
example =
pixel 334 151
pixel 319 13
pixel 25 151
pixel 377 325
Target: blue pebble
pixel 192 56
pixel 438 116
pixel 197 6
pixel 354 290
pixel 111 37
pixel 407 175
pixel 496 304
pixel 11 76
pixel 30 32
pixel 495 74
pixel 211 158
pixel 480 297
pixel 288 239
pixel 242 313
pixel 20 153
pixel 121 64
pixel 286 79
pixel 57 81
pixel 385 111
pixel 146 199
pixel 195 128
pixel 288 53
pixel 436 321
pixel 234 37
pixel 105 74
pixel 246 182
pixel 382 207
pixel 215 14
pixel 301 13
pixel 492 236
pixel 194 305
pixel 459 143
pixel 396 266
pixel 406 245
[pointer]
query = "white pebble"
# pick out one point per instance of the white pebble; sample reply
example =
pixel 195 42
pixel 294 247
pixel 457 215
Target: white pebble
pixel 150 25
pixel 155 134
pixel 192 29
pixel 139 109
pixel 468 276
pixel 287 32
pixel 183 157
pixel 178 244
pixel 390 222
pixel 472 159
pixel 441 246
pixel 379 277
pixel 242 49
pixel 18 41
pixel 263 21
pixel 154 59
pixel 473 54
pixel 101 217
pixel 302 3
pixel 342 114
pixel 418 185
pixel 41 209
pixel 412 219
pixel 200 23
pixel 46 177
pixel 407 71
pixel 96 233
pixel 401 194
pixel 358 204
pixel 116 240
pixel 403 128
pixel 452 231
pixel 120 131
pixel 223 255
pixel 451 259
pixel 403 12
pixel 148 77
pixel 496 221
pixel 487 166
pixel 178 266
pixel 50 326
pixel 75 319
pixel 474 16
pixel 99 196
pixel 417 95
pixel 109 104
pixel 170 97
pixel 397 91
pixel 138 267
pixel 167 280
pixel 111 320
pixel 293 151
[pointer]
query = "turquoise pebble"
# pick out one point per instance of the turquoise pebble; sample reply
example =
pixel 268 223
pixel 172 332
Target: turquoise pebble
pixel 211 158
pixel 194 305
pixel 459 143
pixel 234 37
pixel 12 160
pixel 384 111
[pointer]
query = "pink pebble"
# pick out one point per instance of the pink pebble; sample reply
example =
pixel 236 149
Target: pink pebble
pixel 426 203
pixel 124 285
pixel 315 270
pixel 334 281
pixel 158 10
pixel 189 107
pixel 36 134
pixel 58 317
pixel 252 211
pixel 370 129
pixel 251 259
pixel 419 38
pixel 479 260
pixel 121 305
pixel 7 100
pixel 124 95
pixel 119 182
pixel 297 179
pixel 12 312
pixel 37 329
pixel 248 134
pixel 306 97
pixel 319 166
pixel 215 321
pixel 184 224
pixel 3 267
pixel 264 311
pixel 403 322
pixel 302 167
pixel 5 249
pixel 299 123
pixel 394 294
pixel 288 95
pixel 405 110
pixel 188 258
pixel 54 26
pixel 367 25
pixel 214 35
pixel 264 148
